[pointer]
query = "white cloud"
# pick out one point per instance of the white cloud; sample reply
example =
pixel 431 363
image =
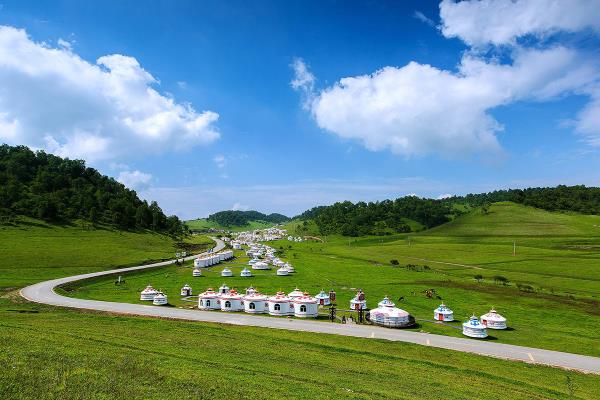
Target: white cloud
pixel 220 161
pixel 419 109
pixel 303 82
pixel 53 99
pixel 239 207
pixel 444 196
pixel 135 179
pixel 479 22
pixel 423 18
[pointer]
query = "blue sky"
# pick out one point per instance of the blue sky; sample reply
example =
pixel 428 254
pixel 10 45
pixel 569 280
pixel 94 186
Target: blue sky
pixel 197 110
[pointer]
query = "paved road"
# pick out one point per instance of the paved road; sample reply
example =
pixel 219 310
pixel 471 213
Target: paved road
pixel 43 292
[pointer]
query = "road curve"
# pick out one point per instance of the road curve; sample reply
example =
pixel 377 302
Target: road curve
pixel 44 293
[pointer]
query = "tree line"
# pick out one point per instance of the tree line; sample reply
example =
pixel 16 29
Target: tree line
pixel 57 190
pixel 242 218
pixel 581 199
pixel 378 218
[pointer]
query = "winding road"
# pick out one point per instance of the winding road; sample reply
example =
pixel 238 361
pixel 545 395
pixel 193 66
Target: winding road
pixel 44 293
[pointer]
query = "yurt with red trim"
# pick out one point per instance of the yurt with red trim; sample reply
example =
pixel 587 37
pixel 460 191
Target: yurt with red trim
pixel 209 300
pixel 232 301
pixel 256 303
pixel 148 293
pixel 280 304
pixel 493 320
pixel 306 306
pixel 358 302
pixel 388 315
pixel 323 298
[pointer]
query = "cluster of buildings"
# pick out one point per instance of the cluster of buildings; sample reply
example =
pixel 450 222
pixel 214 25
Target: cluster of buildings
pixel 209 260
pixel 259 235
pixel 301 304
pixel 297 303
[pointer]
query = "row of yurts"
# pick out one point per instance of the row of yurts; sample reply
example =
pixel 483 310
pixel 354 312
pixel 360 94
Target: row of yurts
pixel 303 305
pixel 256 251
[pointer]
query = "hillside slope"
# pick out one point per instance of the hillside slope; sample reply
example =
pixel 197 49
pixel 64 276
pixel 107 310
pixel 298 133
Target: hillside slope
pixel 511 219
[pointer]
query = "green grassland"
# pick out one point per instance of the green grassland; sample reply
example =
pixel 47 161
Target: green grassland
pixel 561 312
pixel 33 251
pixel 56 353
pixel 204 224
pixel 52 353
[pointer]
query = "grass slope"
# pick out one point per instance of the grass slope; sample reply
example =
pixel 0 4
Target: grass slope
pixel 510 219
pixel 55 353
pixel 204 224
pixel 561 312
pixel 62 354
pixel 33 251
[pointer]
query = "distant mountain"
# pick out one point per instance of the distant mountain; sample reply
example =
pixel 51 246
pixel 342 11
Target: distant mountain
pixel 59 190
pixel 243 218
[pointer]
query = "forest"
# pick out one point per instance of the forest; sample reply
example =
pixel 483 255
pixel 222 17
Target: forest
pixel 378 218
pixel 390 216
pixel 241 218
pixel 581 199
pixel 58 190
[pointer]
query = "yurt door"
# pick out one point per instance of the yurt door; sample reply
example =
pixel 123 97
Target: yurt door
pixel 440 317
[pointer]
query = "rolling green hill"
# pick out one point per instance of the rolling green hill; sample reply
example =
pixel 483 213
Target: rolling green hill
pixel 32 250
pixel 203 224
pixel 511 219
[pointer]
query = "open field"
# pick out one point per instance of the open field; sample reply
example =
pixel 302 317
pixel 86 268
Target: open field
pixel 559 311
pixel 63 354
pixel 204 224
pixel 57 353
pixel 34 251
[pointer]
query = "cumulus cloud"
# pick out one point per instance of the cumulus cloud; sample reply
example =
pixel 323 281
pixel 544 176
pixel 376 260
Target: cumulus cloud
pixel 135 179
pixel 420 109
pixel 444 196
pixel 479 22
pixel 53 99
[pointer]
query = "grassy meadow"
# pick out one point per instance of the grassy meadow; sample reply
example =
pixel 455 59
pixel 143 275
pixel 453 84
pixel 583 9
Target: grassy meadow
pixel 556 304
pixel 33 251
pixel 55 353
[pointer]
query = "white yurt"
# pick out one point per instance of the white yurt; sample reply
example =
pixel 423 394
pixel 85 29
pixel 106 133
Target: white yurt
pixel 224 289
pixel 289 268
pixel 209 300
pixel 246 273
pixel 250 290
pixel 296 293
pixel 236 246
pixel 475 329
pixel 493 320
pixel 256 303
pixel 226 272
pixel 232 301
pixel 306 306
pixel 358 302
pixel 199 262
pixel 282 271
pixel 443 313
pixel 323 298
pixel 148 293
pixel 253 261
pixel 186 290
pixel 160 299
pixel 387 314
pixel 260 265
pixel 196 272
pixel 280 304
